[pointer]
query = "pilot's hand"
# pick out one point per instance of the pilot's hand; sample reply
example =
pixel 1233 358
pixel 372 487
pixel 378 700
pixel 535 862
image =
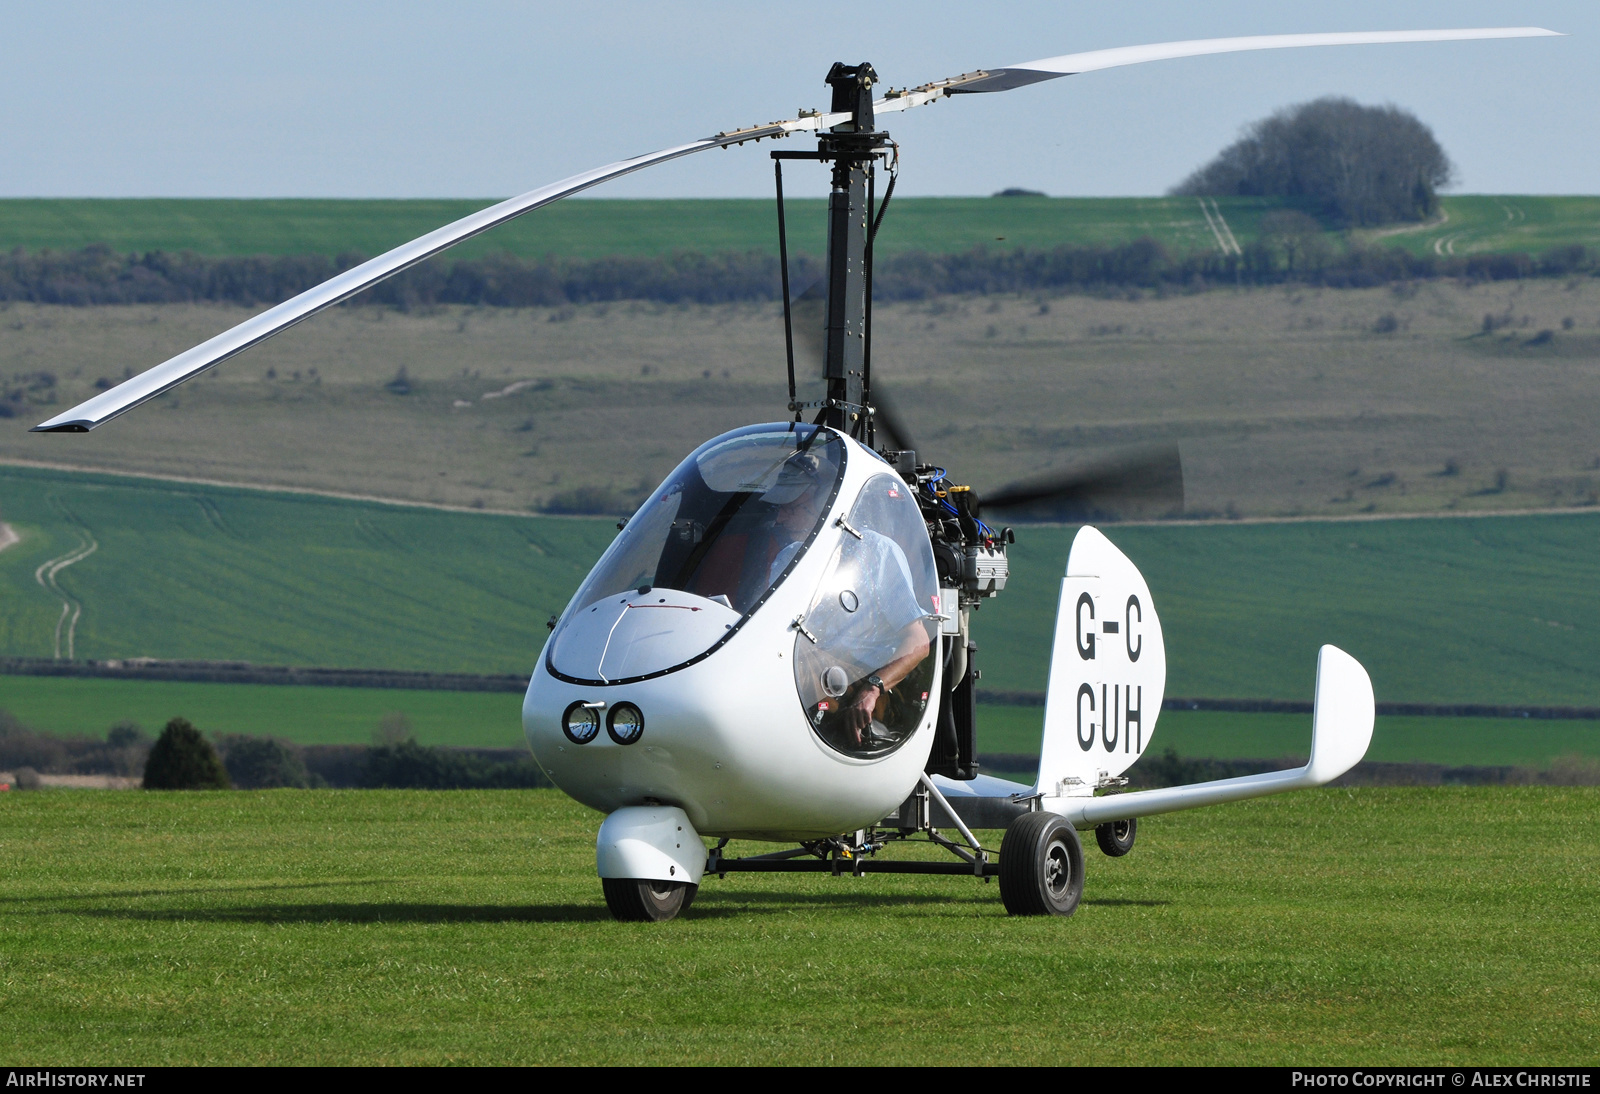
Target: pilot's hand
pixel 858 715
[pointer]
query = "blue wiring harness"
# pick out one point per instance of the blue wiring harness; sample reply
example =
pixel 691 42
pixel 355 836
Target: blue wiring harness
pixel 932 487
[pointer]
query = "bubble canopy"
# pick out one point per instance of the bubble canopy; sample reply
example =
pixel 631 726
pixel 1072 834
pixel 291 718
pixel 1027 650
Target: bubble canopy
pixel 708 546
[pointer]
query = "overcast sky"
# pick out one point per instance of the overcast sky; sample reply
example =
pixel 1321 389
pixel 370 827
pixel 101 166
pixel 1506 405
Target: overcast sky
pixel 467 99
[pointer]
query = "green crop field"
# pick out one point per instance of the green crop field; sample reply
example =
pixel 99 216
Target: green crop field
pixel 1476 223
pixel 207 573
pixel 1369 927
pixel 68 706
pixel 1483 609
pixel 1482 742
pixel 595 228
pixel 592 228
pixel 323 715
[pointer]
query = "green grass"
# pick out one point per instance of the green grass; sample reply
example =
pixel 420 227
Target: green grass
pixel 1493 609
pixel 1475 223
pixel 1454 610
pixel 592 228
pixel 595 228
pixel 317 715
pixel 1482 742
pixel 1440 927
pixel 190 572
pixel 308 715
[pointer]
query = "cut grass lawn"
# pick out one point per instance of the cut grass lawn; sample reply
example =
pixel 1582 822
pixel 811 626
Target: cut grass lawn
pixel 1458 610
pixel 324 927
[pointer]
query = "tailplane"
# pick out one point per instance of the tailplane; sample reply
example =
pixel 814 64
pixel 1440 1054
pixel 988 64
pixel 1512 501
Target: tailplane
pixel 1108 671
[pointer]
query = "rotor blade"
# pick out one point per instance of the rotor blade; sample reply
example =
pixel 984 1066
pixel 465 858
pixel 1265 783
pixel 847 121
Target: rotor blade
pixel 1049 68
pixel 886 419
pixel 152 382
pixel 1147 482
pixel 147 385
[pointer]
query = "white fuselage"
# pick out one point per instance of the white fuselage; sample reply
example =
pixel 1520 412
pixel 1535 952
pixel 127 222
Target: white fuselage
pixel 727 738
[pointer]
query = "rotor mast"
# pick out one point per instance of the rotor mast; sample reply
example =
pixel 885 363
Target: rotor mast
pixel 852 146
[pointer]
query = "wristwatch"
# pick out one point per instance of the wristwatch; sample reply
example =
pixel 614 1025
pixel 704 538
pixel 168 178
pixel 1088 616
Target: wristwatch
pixel 877 681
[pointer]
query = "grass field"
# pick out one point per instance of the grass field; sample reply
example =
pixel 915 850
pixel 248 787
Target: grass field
pixel 312 715
pixel 595 228
pixel 1489 609
pixel 1476 742
pixel 591 228
pixel 1476 223
pixel 1282 401
pixel 1330 927
pixel 197 572
pixel 307 715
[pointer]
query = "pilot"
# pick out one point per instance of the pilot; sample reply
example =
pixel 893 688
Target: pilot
pixel 888 629
pixel 797 498
pixel 884 632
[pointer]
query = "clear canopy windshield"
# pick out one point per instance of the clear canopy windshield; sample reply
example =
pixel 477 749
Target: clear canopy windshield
pixel 863 664
pixel 729 522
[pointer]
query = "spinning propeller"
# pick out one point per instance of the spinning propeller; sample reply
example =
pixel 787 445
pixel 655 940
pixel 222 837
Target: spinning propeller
pixel 1135 482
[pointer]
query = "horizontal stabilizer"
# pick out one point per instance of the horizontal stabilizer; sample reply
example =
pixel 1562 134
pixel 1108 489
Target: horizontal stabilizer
pixel 1341 730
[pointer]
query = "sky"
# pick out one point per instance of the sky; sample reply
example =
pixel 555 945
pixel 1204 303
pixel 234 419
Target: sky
pixel 486 99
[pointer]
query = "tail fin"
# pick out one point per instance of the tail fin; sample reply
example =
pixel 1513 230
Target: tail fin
pixel 1341 730
pixel 1108 671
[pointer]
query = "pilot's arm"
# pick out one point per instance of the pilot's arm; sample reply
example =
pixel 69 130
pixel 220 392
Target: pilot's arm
pixel 913 648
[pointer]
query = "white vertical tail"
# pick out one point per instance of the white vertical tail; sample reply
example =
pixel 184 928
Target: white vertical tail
pixel 1108 671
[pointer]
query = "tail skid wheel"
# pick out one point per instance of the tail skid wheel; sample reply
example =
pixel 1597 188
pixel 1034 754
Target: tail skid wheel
pixel 1041 866
pixel 1116 837
pixel 634 901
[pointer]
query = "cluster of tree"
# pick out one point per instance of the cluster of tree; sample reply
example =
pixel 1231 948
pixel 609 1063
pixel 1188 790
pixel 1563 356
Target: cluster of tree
pixel 1359 165
pixel 1292 247
pixel 122 752
pixel 411 766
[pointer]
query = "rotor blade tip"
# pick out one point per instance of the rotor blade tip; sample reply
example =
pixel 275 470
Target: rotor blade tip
pixel 63 427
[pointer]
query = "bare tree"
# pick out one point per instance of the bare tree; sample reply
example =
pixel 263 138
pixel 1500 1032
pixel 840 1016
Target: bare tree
pixel 1297 237
pixel 1359 165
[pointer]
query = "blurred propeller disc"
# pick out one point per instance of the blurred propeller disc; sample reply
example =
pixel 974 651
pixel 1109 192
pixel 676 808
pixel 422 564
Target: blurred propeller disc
pixel 889 424
pixel 1143 483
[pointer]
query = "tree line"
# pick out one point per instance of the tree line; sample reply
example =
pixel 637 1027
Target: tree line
pixel 1292 248
pixel 183 758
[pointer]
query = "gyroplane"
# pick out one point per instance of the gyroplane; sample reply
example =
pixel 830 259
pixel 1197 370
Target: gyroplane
pixel 777 645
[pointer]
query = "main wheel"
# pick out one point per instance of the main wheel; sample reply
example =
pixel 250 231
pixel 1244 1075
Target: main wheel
pixel 1041 866
pixel 1116 837
pixel 634 901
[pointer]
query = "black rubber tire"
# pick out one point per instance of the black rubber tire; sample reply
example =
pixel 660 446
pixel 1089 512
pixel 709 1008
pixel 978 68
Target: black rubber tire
pixel 1116 837
pixel 1041 866
pixel 634 901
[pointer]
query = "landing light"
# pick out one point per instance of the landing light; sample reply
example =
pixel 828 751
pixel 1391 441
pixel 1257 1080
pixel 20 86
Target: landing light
pixel 625 723
pixel 581 722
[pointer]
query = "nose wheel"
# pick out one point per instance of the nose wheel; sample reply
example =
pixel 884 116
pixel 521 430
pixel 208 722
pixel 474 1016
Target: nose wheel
pixel 1041 866
pixel 635 901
